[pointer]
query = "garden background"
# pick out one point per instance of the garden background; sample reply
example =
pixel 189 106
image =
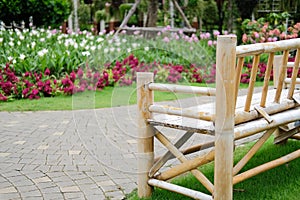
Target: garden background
pixel 41 57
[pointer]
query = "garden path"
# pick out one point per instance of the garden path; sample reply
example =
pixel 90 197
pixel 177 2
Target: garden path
pixel 79 154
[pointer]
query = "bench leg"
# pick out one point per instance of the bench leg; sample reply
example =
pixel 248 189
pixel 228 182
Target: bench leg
pixel 145 134
pixel 224 122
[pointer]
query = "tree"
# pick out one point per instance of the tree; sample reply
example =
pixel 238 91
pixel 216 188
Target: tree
pixel 246 7
pixel 152 13
pixel 43 12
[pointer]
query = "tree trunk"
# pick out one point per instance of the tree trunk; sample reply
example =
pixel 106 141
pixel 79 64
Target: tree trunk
pixel 152 13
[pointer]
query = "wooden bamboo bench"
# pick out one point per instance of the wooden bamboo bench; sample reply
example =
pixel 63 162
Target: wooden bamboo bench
pixel 230 118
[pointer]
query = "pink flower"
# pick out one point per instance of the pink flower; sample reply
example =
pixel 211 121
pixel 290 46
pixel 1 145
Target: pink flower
pixel 216 33
pixel 166 39
pixel 244 38
pixel 274 39
pixel 72 76
pixel 210 43
pixel 256 35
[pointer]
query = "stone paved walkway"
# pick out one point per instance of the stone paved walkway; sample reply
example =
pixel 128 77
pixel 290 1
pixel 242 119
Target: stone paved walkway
pixel 83 154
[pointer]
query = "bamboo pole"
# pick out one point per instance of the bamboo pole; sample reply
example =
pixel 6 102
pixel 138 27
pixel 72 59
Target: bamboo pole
pixel 242 116
pixel 266 80
pixel 179 189
pixel 237 77
pixel 188 150
pixel 256 126
pixel 145 132
pixel 225 110
pixel 181 112
pixel 294 75
pixel 266 166
pixel 252 151
pixel 281 77
pixel 202 178
pixel 276 68
pixel 183 89
pixel 268 47
pixel 167 156
pixel 186 166
pixel 251 83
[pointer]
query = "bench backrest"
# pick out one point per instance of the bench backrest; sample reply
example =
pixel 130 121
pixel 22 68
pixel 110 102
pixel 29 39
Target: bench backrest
pixel 228 70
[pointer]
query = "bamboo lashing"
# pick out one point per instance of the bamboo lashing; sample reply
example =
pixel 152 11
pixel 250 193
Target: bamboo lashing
pixel 202 178
pixel 294 75
pixel 268 47
pixel 252 151
pixel 182 89
pixel 179 189
pixel 264 167
pixel 282 74
pixel 160 162
pixel 238 74
pixel 266 80
pixel 252 83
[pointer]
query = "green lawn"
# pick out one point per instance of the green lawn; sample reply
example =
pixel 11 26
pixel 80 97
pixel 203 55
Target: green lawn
pixel 279 183
pixel 108 97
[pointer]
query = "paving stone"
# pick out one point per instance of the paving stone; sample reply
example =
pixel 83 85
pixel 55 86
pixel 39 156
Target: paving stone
pixel 43 147
pixel 70 189
pixel 35 193
pixel 42 180
pixel 73 195
pixel 8 190
pixel 20 142
pixel 4 154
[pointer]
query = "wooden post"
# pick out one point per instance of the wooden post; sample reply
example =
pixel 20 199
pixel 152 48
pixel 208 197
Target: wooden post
pixel 145 133
pixel 224 124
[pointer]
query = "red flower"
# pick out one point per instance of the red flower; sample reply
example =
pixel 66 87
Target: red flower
pixel 47 72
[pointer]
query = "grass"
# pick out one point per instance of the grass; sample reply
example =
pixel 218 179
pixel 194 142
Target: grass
pixel 108 97
pixel 279 183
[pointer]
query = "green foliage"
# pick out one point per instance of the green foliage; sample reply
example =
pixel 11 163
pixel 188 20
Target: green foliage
pixel 100 15
pixel 44 13
pixel 84 16
pixel 210 12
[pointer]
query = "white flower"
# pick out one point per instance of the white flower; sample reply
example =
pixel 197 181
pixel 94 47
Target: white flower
pixel 99 46
pixel 106 50
pixel 128 50
pixel 11 44
pixel 100 39
pixel 14 61
pixel 42 39
pixel 42 52
pixel 1 40
pixel 110 41
pixel 146 48
pixel 93 48
pixel 117 44
pixel 33 44
pixel 75 45
pixel 9 58
pixel 19 43
pixel 22 37
pixel 68 52
pixel 86 53
pixel 124 40
pixel 112 49
pixel 118 49
pixel 22 56
pixel 134 45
